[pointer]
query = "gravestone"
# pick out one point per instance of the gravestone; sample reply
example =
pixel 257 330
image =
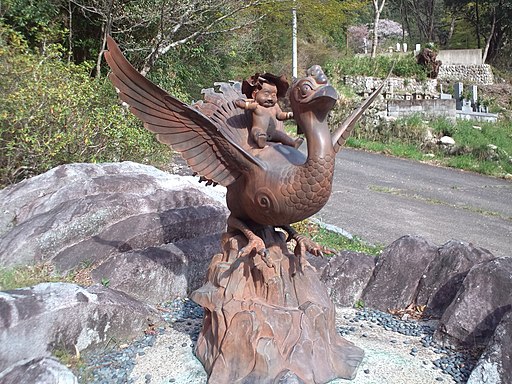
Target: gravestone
pixel 474 97
pixel 458 88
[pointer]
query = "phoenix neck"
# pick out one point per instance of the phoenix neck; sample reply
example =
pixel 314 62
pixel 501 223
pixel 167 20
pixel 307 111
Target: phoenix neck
pixel 319 142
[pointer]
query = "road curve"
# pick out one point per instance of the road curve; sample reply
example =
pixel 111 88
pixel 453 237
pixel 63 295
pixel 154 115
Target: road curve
pixel 380 198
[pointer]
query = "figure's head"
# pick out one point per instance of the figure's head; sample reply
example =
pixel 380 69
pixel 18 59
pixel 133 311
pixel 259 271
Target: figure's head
pixel 266 96
pixel 256 83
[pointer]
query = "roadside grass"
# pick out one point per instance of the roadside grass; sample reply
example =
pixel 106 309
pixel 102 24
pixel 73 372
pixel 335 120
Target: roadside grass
pixel 480 147
pixel 469 163
pixel 394 148
pixel 334 240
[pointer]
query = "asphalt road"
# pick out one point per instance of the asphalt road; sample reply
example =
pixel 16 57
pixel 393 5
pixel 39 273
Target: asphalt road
pixel 380 199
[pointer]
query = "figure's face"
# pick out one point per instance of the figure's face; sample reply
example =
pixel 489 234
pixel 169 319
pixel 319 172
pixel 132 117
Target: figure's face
pixel 266 96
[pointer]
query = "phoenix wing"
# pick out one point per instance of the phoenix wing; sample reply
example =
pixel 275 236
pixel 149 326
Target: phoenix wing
pixel 201 141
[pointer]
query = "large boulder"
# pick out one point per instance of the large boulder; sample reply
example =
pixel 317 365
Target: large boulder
pixel 87 212
pixel 138 230
pixel 397 274
pixel 346 275
pixel 495 364
pixel 158 274
pixel 445 274
pixel 152 275
pixel 480 304
pixel 37 320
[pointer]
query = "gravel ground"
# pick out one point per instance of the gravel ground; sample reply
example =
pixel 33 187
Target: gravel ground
pixel 400 351
pixel 396 351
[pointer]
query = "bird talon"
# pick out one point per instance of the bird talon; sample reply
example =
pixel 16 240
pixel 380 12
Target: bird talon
pixel 265 257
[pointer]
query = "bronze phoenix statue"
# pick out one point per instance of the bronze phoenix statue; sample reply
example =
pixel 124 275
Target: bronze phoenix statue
pixel 276 185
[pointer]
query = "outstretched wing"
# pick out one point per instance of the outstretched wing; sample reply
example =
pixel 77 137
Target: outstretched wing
pixel 205 148
pixel 342 133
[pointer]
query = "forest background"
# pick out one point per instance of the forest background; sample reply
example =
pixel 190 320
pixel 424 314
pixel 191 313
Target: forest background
pixel 58 106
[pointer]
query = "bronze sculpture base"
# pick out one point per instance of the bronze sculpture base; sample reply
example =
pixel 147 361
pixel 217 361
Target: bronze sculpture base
pixel 266 322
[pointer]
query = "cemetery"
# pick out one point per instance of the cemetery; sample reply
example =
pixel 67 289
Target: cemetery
pixel 403 97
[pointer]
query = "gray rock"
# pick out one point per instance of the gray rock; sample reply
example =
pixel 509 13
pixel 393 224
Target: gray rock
pixel 346 275
pixel 152 275
pixel 80 212
pixel 398 272
pixel 145 230
pixel 445 274
pixel 287 377
pixel 495 364
pixel 199 253
pixel 38 371
pixel 480 304
pixel 55 316
pixel 319 263
pixel 158 274
pixel 446 140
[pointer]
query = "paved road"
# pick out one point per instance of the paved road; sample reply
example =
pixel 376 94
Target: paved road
pixel 380 198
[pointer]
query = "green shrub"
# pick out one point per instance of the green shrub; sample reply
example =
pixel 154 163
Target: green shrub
pixel 54 113
pixel 443 127
pixel 403 66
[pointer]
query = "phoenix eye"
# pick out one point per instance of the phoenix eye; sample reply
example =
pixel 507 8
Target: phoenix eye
pixel 306 88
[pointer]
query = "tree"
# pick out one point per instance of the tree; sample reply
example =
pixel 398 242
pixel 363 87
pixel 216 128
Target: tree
pixel 491 19
pixel 38 21
pixel 149 29
pixel 497 27
pixel 377 8
pixel 423 19
pixel 180 22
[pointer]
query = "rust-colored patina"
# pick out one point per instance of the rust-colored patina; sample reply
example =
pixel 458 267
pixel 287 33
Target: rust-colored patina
pixel 268 186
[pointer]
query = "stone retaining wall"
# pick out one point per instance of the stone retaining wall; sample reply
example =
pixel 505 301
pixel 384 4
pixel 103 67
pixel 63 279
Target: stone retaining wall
pixel 363 84
pixel 433 107
pixel 474 74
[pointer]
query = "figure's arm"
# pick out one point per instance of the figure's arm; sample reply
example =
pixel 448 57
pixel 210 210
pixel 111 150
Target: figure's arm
pixel 248 104
pixel 280 115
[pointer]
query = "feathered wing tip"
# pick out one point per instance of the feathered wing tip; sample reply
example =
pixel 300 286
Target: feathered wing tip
pixel 220 107
pixel 343 132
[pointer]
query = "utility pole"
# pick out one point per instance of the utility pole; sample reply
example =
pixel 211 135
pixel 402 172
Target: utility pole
pixel 294 40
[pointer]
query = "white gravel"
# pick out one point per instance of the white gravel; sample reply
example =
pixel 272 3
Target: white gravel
pixel 164 363
pixel 385 362
pixel 391 363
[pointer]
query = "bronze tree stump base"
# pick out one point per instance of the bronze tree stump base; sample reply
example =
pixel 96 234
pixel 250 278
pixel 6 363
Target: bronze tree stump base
pixel 266 324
